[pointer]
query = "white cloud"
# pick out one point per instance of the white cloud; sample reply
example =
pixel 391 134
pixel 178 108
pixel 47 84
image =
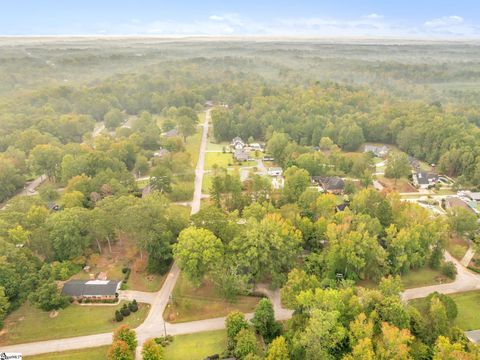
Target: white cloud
pixel 373 16
pixel 234 24
pixel 444 21
pixel 216 18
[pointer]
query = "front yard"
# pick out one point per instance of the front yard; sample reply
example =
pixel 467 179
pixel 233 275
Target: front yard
pixel 197 346
pixel 191 304
pixel 423 277
pixel 29 324
pixel 98 353
pixel 467 304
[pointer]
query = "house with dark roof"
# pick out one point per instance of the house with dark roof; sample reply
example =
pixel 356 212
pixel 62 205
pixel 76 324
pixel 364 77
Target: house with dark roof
pixel 331 184
pixel 92 289
pixel 424 180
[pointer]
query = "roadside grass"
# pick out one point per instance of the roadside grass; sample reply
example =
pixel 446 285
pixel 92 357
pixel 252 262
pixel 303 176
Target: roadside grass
pixel 97 353
pixel 190 303
pixel 467 304
pixel 444 191
pixel 192 146
pixel 207 182
pixel 423 277
pixel 457 247
pixel 196 346
pixel 220 159
pixel 29 324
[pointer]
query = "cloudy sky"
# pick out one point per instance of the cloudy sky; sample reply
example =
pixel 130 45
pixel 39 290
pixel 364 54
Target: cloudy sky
pixel 332 18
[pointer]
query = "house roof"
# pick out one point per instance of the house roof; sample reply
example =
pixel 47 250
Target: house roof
pixel 329 182
pixel 237 139
pixel 91 287
pixel 424 178
pixel 456 202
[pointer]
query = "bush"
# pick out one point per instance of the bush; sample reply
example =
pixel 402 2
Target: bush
pixel 449 270
pixel 133 306
pixel 118 316
pixel 164 340
pixel 125 269
pixel 125 310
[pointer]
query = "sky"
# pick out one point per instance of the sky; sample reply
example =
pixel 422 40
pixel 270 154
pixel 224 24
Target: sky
pixel 457 19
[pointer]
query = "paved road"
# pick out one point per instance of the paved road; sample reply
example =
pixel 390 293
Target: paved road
pixel 466 280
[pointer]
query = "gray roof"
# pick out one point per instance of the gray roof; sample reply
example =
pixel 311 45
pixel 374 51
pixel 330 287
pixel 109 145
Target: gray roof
pixel 90 287
pixel 424 178
pixel 329 182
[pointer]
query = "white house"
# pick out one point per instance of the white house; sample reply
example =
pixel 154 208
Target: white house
pixel 275 171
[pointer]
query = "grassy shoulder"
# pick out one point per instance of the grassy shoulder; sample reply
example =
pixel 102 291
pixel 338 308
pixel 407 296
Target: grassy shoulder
pixel 196 346
pixel 28 324
pixel 457 247
pixel 467 304
pixel 423 277
pixel 97 353
pixel 190 303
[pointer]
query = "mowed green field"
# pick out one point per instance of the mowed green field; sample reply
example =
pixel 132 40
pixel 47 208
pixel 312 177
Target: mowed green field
pixel 468 317
pixel 98 353
pixel 29 324
pixel 196 346
pixel 423 277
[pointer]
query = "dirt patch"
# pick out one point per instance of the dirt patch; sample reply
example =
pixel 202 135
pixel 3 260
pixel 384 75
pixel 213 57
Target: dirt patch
pixel 53 314
pixel 401 185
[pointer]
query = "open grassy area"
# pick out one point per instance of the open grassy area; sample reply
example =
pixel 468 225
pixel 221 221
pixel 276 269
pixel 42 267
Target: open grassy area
pixel 191 304
pixel 457 247
pixel 402 185
pixel 207 182
pixel 423 277
pixel 97 353
pixel 193 146
pixel 467 304
pixel 196 346
pixel 29 324
pixel 220 159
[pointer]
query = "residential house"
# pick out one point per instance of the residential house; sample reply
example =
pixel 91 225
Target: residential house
pixel 241 155
pixel 378 151
pixel 92 289
pixel 454 201
pixel 268 158
pixel 331 184
pixel 171 133
pixel 255 147
pixel 275 171
pixel 474 196
pixel 237 143
pixel 424 180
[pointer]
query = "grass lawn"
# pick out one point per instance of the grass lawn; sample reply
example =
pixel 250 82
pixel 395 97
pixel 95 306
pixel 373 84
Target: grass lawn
pixel 205 344
pixel 221 159
pixel 457 247
pixel 29 324
pixel 206 183
pixel 98 353
pixel 193 146
pixel 423 277
pixel 467 304
pixel 203 303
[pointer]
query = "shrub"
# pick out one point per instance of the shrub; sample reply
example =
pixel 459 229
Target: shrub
pixel 133 306
pixel 125 269
pixel 118 316
pixel 164 340
pixel 449 270
pixel 125 310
